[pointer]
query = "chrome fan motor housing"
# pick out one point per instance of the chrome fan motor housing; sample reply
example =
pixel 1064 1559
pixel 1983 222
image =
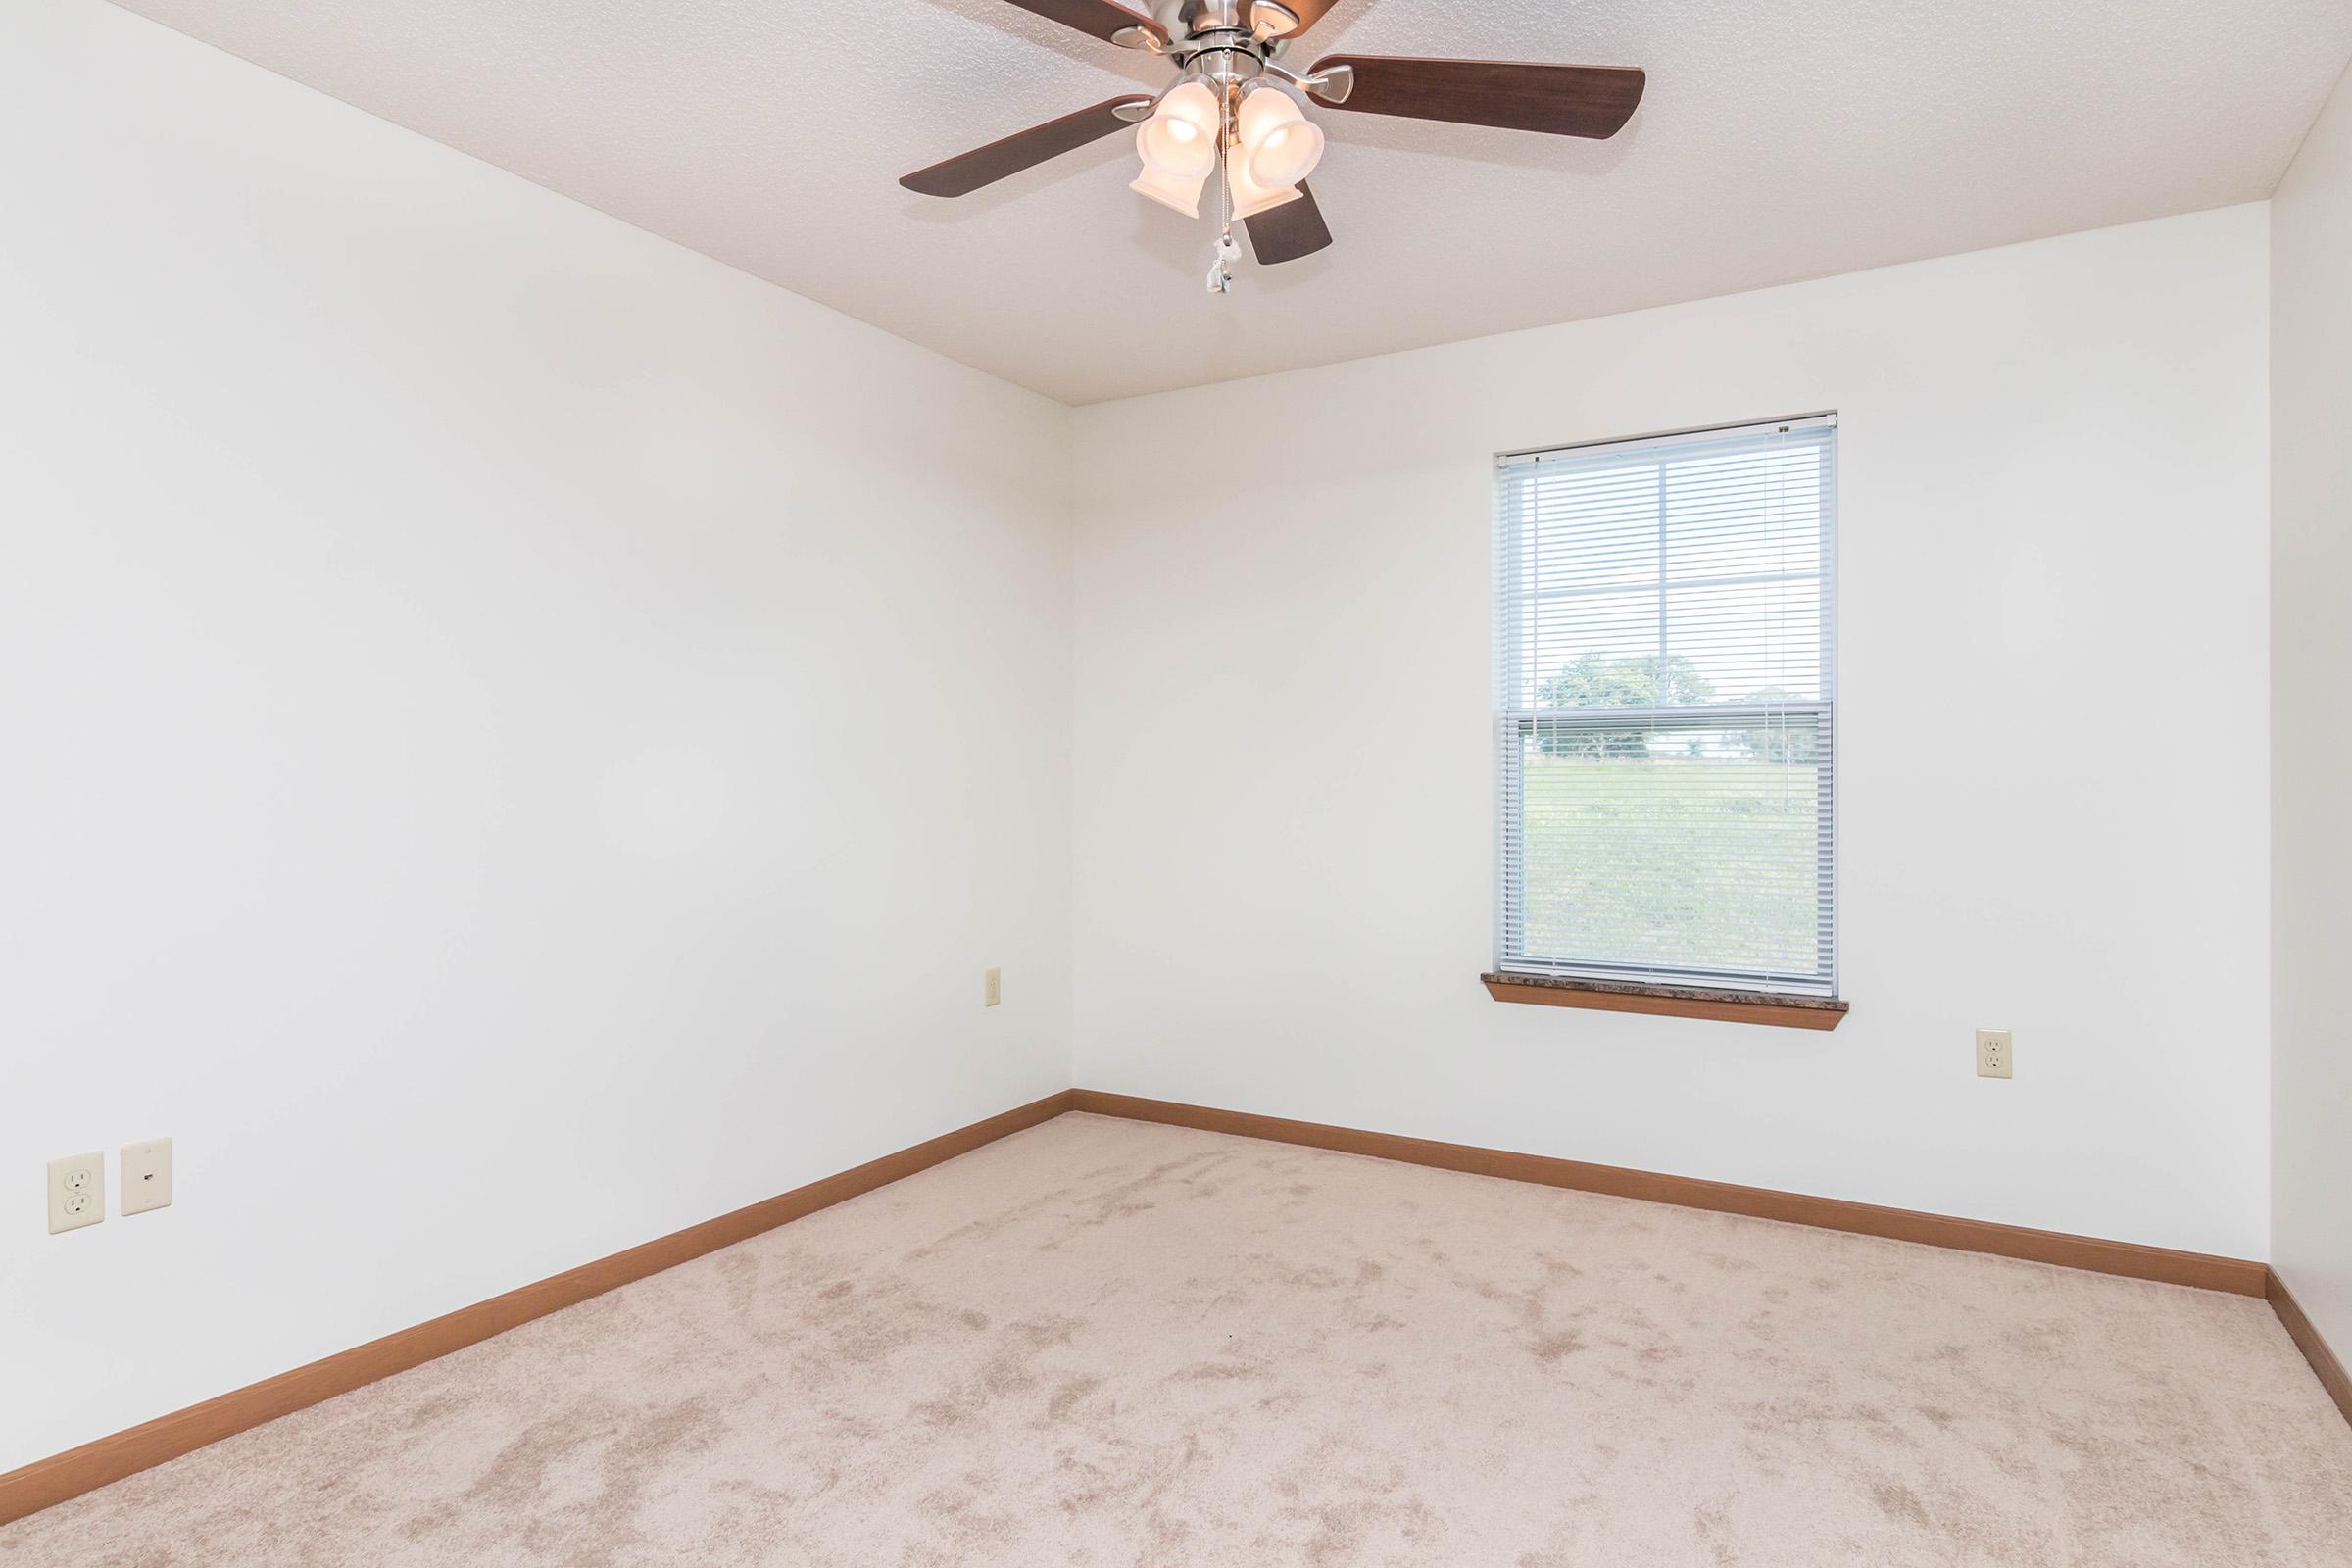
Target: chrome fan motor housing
pixel 1201 28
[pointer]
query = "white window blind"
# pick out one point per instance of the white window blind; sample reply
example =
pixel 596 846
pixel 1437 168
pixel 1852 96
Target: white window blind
pixel 1667 697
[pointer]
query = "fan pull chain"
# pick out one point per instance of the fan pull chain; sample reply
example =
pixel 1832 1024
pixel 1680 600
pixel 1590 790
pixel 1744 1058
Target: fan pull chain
pixel 1220 271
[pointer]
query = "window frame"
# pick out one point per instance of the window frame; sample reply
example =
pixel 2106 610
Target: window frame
pixel 1515 729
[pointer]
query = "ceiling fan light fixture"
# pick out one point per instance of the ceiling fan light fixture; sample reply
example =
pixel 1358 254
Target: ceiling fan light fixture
pixel 1249 198
pixel 1172 191
pixel 1179 139
pixel 1280 145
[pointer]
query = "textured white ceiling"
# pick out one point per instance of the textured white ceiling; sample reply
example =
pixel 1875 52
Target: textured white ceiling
pixel 1778 141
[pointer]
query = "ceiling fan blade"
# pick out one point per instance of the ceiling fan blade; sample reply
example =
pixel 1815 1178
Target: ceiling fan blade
pixel 1101 19
pixel 967 173
pixel 1306 12
pixel 1289 231
pixel 1592 101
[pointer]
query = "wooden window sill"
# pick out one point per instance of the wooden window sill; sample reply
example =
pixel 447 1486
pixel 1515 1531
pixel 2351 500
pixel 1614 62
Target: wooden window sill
pixel 1679 1001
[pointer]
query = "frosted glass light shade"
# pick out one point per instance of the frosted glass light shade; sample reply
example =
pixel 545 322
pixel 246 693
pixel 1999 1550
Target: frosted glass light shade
pixel 1179 139
pixel 1280 145
pixel 1249 198
pixel 1171 190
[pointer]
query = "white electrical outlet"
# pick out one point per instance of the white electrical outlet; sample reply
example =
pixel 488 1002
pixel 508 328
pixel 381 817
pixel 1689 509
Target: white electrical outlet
pixel 1993 1053
pixel 147 1176
pixel 992 988
pixel 77 1192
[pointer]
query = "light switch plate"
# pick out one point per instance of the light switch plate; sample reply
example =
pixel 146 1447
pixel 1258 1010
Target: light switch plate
pixel 77 1192
pixel 992 988
pixel 147 1176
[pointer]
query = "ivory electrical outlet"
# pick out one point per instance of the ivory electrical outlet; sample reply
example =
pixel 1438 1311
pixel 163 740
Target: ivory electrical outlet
pixel 146 1176
pixel 1992 1054
pixel 77 1192
pixel 992 988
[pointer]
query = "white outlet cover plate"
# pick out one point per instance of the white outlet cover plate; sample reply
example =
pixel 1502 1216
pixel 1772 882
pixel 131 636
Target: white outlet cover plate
pixel 147 1176
pixel 77 1192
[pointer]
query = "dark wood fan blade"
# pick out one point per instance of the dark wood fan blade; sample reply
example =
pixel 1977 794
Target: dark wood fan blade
pixel 1592 101
pixel 1287 232
pixel 1103 19
pixel 967 173
pixel 1308 13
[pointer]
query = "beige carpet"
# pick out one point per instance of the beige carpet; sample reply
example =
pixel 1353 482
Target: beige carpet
pixel 1101 1343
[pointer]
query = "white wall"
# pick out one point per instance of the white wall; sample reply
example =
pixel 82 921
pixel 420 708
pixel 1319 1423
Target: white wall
pixel 521 739
pixel 2311 757
pixel 2055 775
pixel 518 738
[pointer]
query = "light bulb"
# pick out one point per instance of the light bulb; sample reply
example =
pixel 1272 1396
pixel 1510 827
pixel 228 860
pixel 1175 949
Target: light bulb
pixel 1280 145
pixel 1179 139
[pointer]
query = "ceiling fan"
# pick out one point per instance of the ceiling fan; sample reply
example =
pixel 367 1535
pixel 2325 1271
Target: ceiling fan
pixel 1234 100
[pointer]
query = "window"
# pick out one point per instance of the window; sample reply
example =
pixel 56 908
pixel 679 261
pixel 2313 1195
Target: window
pixel 1666 686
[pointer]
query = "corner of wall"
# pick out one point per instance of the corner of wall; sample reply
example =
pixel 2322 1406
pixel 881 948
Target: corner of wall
pixel 2310 666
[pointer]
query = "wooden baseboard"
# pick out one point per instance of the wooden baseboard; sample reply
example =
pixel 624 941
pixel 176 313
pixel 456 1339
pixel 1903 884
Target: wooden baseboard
pixel 79 1470
pixel 2235 1275
pixel 2332 1374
